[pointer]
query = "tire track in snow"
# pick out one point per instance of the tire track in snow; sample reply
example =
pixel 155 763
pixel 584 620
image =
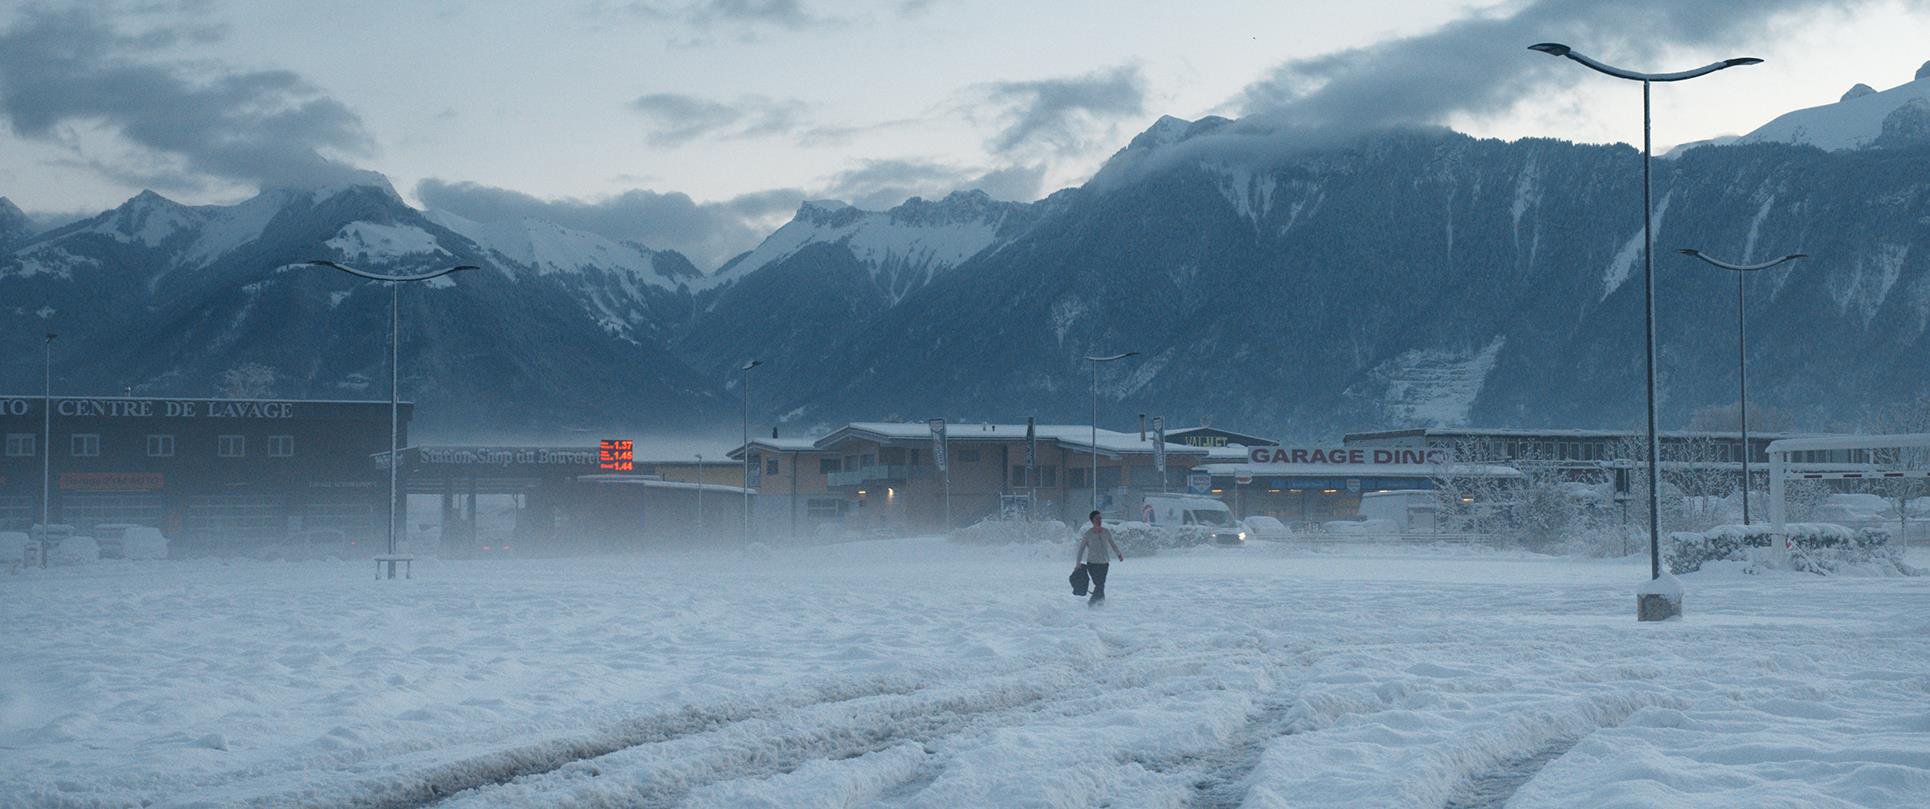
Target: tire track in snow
pixel 1493 789
pixel 663 773
pixel 427 787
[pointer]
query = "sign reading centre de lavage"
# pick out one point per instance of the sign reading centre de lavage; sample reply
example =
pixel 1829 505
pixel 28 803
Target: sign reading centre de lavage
pixel 1376 456
pixel 155 408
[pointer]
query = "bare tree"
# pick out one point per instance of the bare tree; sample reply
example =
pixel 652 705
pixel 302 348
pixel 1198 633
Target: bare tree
pixel 249 381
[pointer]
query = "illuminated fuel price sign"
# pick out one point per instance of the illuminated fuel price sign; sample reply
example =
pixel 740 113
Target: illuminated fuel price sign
pixel 616 455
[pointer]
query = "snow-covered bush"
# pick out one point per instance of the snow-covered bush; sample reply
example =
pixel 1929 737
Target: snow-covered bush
pixel 1142 539
pixel 1820 548
pixel 13 548
pixel 75 551
pixel 1013 532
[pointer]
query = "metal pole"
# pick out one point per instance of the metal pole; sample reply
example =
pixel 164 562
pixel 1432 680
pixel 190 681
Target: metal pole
pixel 1742 386
pixel 700 494
pixel 1095 437
pixel 1648 298
pixel 747 456
pixel 47 451
pixel 395 407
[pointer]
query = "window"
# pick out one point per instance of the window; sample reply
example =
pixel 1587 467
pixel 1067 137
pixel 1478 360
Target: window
pixel 1076 477
pixel 160 446
pixel 828 465
pixel 86 445
pixel 281 446
pixel 1048 476
pixel 824 508
pixel 770 467
pixel 20 445
pixel 1018 476
pixel 966 456
pixel 232 446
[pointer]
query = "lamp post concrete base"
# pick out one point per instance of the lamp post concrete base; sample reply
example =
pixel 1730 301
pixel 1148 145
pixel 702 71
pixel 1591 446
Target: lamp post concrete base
pixel 1659 599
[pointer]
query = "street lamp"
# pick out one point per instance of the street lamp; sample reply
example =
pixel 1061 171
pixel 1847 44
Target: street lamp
pixel 747 368
pixel 1648 275
pixel 395 368
pixel 700 496
pixel 1095 419
pixel 47 439
pixel 1741 272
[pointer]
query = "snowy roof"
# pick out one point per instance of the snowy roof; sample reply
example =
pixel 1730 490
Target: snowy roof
pixel 1532 432
pixel 1111 443
pixel 774 445
pixel 1850 442
pixel 1357 470
pixel 659 483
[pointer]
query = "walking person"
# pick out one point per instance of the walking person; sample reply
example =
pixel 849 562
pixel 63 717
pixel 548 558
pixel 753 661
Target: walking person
pixel 1093 543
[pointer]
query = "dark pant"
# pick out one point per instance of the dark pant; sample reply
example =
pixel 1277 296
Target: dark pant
pixel 1098 573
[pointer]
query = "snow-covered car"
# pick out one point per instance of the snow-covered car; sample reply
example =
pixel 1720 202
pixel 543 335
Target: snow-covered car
pixel 126 541
pixel 1266 528
pixel 1195 513
pixel 321 543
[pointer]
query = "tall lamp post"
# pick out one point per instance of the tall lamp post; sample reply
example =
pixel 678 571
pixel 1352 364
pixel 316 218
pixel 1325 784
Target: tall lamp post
pixel 1096 362
pixel 1741 271
pixel 700 495
pixel 747 368
pixel 395 368
pixel 47 439
pixel 1673 606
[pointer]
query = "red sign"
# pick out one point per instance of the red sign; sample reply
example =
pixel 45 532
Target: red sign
pixel 110 481
pixel 616 455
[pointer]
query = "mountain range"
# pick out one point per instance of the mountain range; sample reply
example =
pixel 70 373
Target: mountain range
pixel 1289 286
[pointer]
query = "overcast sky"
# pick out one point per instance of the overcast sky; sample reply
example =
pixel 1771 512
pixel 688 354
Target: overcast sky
pixel 700 124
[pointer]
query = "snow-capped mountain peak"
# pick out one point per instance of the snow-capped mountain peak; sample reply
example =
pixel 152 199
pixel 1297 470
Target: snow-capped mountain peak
pixel 14 224
pixel 1855 121
pixel 917 238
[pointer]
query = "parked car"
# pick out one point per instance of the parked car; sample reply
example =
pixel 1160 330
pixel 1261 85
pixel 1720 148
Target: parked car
pixel 126 541
pixel 320 543
pixel 1192 512
pixel 1270 529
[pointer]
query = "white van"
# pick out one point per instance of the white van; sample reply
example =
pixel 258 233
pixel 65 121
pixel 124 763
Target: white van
pixel 1192 510
pixel 1409 509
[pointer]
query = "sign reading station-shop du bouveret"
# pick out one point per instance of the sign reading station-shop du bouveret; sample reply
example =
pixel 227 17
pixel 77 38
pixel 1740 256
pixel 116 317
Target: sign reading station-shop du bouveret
pixel 616 455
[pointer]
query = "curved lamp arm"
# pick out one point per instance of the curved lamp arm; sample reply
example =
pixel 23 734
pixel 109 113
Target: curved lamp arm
pixel 1113 357
pixel 374 277
pixel 1690 251
pixel 1558 49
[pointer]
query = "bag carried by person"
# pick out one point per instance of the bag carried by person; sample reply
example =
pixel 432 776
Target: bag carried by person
pixel 1080 580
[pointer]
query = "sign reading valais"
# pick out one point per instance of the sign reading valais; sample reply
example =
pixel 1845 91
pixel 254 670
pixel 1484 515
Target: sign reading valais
pixel 1364 456
pixel 616 455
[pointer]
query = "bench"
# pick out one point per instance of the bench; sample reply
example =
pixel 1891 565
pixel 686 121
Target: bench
pixel 389 562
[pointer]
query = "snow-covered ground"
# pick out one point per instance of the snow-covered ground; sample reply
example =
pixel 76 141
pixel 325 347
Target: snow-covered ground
pixel 919 673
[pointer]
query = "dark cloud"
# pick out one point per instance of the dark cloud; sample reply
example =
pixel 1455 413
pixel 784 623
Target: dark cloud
pixel 880 184
pixel 675 119
pixel 709 14
pixel 187 121
pixel 1063 115
pixel 707 232
pixel 1480 64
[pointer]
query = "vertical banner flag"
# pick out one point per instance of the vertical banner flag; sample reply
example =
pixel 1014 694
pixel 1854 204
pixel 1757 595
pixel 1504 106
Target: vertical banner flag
pixel 1031 451
pixel 938 443
pixel 1159 444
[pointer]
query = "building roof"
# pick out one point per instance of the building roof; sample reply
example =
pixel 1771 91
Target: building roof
pixel 1530 432
pixel 1231 436
pixel 1358 470
pixel 1111 443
